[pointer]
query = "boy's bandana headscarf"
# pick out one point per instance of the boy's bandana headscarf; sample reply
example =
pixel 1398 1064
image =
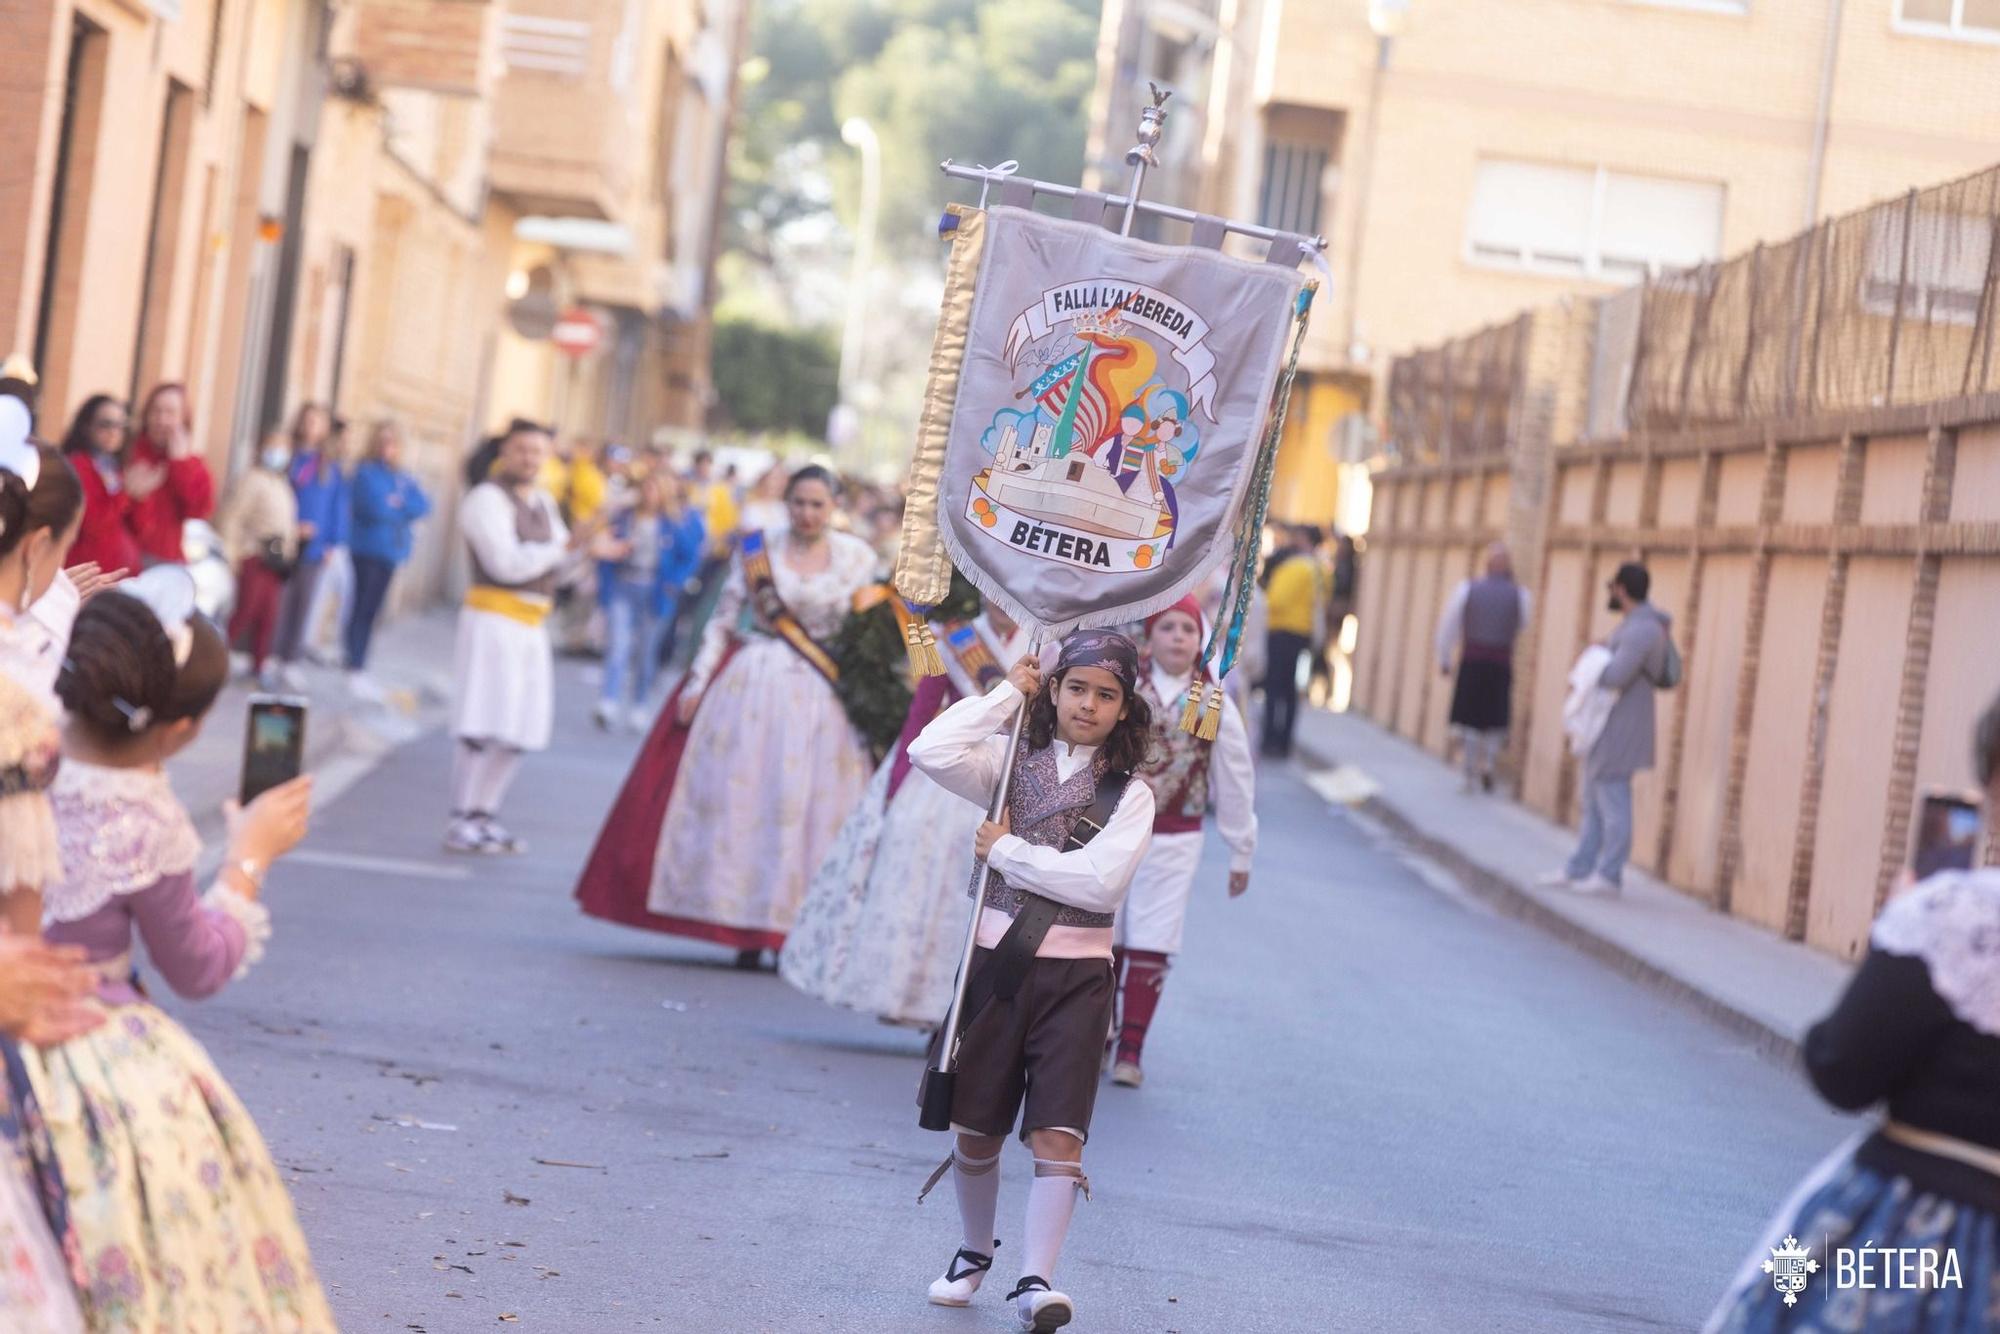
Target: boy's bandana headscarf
pixel 1105 649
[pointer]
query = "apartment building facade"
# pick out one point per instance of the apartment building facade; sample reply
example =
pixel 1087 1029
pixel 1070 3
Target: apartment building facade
pixel 1466 159
pixel 373 205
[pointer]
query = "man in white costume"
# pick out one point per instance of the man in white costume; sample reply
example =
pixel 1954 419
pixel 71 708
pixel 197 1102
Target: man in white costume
pixel 505 665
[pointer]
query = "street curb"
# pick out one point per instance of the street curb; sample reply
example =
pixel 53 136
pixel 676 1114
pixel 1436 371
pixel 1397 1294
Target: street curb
pixel 1513 900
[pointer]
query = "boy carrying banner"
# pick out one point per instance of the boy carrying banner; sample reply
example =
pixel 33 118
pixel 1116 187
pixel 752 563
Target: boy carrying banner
pixel 1040 992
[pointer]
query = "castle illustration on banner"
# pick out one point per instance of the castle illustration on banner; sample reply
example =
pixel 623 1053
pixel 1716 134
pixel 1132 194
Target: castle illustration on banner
pixel 1086 463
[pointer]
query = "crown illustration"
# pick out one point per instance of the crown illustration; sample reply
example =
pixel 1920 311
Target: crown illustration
pixel 1108 322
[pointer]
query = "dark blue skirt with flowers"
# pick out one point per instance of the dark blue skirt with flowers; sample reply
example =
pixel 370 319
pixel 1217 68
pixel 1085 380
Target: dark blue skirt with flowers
pixel 1875 1191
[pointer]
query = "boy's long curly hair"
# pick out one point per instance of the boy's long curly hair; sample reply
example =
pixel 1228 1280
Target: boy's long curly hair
pixel 1128 747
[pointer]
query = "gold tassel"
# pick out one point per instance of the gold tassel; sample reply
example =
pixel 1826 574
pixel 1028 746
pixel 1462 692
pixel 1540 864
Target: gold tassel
pixel 1211 717
pixel 925 660
pixel 1191 715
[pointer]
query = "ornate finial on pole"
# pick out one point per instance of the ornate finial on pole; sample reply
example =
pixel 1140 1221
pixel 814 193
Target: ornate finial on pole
pixel 1152 121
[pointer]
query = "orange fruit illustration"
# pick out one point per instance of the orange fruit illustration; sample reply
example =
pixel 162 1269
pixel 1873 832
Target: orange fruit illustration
pixel 988 518
pixel 1143 557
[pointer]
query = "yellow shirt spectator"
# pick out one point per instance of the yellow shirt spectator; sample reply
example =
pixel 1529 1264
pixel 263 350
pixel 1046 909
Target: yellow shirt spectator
pixel 577 484
pixel 1294 595
pixel 720 513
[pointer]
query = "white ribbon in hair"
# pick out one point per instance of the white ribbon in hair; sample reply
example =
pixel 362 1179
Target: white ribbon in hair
pixel 168 592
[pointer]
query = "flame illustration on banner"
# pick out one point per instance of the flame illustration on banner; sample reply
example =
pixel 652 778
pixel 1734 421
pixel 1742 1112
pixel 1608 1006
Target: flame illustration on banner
pixel 1087 473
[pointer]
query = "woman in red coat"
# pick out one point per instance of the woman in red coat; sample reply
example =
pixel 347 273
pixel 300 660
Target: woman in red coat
pixel 137 498
pixel 169 482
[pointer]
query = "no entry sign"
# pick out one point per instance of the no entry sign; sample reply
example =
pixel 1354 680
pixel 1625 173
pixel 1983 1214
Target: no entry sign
pixel 577 332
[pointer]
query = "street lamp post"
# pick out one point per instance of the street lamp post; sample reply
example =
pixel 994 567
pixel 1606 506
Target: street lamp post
pixel 844 425
pixel 1386 19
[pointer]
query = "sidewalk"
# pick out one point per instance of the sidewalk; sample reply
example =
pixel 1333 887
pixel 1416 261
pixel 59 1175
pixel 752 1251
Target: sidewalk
pixel 1771 989
pixel 345 737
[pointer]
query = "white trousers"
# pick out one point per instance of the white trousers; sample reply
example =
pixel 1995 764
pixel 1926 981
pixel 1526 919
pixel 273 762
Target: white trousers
pixel 1155 909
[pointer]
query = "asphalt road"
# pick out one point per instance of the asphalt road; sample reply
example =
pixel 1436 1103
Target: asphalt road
pixel 1372 1105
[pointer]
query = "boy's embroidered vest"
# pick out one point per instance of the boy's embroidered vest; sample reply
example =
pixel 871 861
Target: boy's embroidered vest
pixel 1045 811
pixel 1178 769
pixel 532 523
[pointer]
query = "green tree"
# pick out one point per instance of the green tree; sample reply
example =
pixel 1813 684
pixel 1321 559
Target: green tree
pixel 774 380
pixel 972 80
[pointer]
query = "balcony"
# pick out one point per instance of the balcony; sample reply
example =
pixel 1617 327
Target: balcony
pixel 435 46
pixel 563 119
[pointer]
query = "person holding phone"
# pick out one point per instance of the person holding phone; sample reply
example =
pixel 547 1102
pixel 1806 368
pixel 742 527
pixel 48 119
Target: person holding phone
pixel 1915 1038
pixel 136 1111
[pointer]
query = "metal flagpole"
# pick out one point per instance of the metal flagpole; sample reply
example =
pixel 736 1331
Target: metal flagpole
pixel 935 1109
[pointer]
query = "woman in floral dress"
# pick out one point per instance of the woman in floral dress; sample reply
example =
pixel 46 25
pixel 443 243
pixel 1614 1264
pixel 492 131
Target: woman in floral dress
pixel 752 766
pixel 183 1220
pixel 882 923
pixel 41 990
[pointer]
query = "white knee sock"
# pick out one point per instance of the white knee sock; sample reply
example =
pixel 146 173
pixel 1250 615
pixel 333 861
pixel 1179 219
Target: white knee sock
pixel 1051 1201
pixel 977 1181
pixel 466 768
pixel 496 770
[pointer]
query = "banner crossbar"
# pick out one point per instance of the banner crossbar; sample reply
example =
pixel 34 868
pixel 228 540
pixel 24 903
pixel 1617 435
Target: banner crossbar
pixel 989 176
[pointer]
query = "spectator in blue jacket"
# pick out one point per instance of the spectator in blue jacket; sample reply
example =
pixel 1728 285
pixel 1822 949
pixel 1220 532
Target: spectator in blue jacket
pixel 647 556
pixel 321 489
pixel 387 503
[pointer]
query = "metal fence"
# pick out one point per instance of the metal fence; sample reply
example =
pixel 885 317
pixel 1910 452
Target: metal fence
pixel 1890 305
pixel 1456 400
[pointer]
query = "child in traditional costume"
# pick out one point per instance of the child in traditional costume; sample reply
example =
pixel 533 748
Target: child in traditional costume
pixel 879 930
pixel 183 1219
pixel 1191 778
pixel 1039 997
pixel 744 781
pixel 44 988
pixel 40 988
pixel 505 705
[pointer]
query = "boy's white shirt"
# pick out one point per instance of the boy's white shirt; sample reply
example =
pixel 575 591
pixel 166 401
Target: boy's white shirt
pixel 964 749
pixel 1232 772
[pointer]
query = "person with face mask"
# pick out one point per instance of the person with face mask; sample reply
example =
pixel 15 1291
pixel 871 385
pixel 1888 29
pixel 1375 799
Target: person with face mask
pixel 259 527
pixel 1642 659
